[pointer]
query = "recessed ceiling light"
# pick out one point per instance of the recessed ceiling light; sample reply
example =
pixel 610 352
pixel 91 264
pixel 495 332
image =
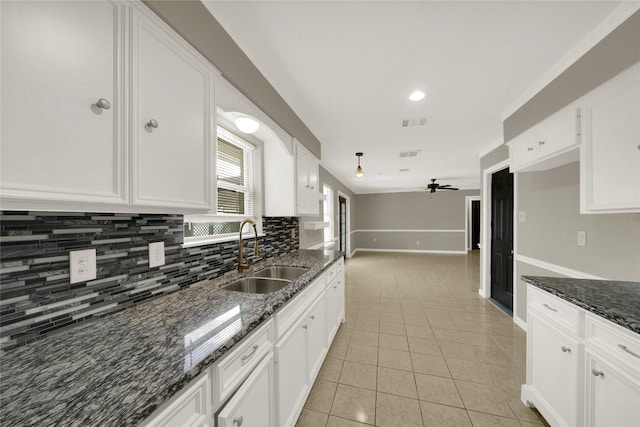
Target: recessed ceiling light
pixel 417 95
pixel 246 124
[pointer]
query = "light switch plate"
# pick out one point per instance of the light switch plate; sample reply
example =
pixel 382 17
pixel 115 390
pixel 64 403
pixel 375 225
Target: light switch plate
pixel 82 265
pixel 156 254
pixel 582 238
pixel 522 216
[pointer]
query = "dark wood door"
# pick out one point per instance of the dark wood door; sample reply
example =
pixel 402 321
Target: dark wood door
pixel 342 204
pixel 502 238
pixel 475 224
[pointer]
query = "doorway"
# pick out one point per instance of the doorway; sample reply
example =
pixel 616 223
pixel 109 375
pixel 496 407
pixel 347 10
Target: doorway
pixel 475 225
pixel 342 212
pixel 502 238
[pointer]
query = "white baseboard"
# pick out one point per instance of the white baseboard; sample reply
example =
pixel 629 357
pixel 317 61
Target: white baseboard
pixel 557 268
pixel 520 323
pixel 412 251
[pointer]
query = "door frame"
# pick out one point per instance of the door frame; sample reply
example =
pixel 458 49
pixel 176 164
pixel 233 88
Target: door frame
pixel 467 219
pixel 485 237
pixel 347 232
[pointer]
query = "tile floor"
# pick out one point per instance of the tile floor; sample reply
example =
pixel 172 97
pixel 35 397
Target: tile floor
pixel 419 347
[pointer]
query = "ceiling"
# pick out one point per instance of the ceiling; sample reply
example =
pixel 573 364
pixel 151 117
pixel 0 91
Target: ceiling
pixel 347 69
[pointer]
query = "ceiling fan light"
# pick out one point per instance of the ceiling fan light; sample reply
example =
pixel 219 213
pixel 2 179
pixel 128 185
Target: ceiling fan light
pixel 246 124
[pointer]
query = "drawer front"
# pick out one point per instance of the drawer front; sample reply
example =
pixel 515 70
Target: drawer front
pixel 288 314
pixel 555 310
pixel 613 339
pixel 235 367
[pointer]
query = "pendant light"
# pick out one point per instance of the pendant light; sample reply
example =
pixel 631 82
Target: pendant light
pixel 359 171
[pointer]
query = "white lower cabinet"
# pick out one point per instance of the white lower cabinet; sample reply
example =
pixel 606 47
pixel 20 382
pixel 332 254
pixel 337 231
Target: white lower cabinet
pixel 335 302
pixel 582 370
pixel 613 396
pixel 292 383
pixel 253 404
pixel 554 371
pixel 189 409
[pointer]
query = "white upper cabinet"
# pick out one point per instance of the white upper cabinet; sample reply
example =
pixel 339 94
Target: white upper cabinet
pixel 551 143
pixel 307 181
pixel 62 104
pixel 610 159
pixel 172 125
pixel 104 108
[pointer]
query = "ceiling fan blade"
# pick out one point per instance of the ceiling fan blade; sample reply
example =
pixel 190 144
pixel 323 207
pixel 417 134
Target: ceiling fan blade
pixel 448 188
pixel 445 186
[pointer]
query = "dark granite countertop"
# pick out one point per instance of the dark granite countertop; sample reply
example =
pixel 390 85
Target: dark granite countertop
pixel 117 370
pixel 616 301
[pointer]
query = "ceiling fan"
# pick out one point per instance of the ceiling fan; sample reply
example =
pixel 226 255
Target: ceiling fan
pixel 435 186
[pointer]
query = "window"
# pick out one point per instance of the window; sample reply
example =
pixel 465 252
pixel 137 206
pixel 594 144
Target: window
pixel 327 212
pixel 235 195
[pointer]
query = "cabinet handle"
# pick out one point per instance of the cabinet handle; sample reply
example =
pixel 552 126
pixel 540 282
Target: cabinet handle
pixel 550 308
pixel 247 356
pixel 566 349
pixel 238 421
pixel 304 326
pixel 103 103
pixel 625 348
pixel 540 142
pixel 152 124
pixel 529 148
pixel 597 373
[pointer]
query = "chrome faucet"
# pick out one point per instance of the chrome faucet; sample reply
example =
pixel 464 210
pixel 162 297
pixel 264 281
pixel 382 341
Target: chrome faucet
pixel 256 249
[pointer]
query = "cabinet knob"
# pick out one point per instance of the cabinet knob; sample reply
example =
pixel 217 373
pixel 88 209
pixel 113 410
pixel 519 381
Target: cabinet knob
pixel 566 349
pixel 312 317
pixel 540 142
pixel 304 326
pixel 597 373
pixel 529 148
pixel 238 421
pixel 153 124
pixel 103 103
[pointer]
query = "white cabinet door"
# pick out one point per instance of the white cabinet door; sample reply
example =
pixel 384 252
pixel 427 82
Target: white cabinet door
pixel 190 409
pixel 613 396
pixel 316 336
pixel 58 60
pixel 307 182
pixel 172 89
pixel 554 374
pixel 291 373
pixel 335 306
pixel 253 403
pixel 610 162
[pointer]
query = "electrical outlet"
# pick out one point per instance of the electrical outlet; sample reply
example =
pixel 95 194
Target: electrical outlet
pixel 156 254
pixel 522 216
pixel 82 265
pixel 293 233
pixel 582 238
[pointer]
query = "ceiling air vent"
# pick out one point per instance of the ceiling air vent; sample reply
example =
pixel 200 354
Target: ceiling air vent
pixel 409 154
pixel 420 121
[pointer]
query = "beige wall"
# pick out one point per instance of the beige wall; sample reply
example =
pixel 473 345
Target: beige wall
pixel 551 200
pixel 194 23
pixel 407 214
pixel 616 52
pixel 310 238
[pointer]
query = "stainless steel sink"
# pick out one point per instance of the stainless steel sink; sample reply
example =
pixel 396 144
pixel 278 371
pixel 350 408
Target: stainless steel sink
pixel 281 272
pixel 257 285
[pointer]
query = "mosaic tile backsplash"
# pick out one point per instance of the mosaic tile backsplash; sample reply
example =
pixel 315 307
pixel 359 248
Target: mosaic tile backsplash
pixel 36 298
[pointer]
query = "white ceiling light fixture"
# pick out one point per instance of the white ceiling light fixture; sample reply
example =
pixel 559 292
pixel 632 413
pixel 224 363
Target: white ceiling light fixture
pixel 359 171
pixel 417 95
pixel 246 124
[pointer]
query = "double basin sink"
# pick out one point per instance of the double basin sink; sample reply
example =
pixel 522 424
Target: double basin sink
pixel 267 280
